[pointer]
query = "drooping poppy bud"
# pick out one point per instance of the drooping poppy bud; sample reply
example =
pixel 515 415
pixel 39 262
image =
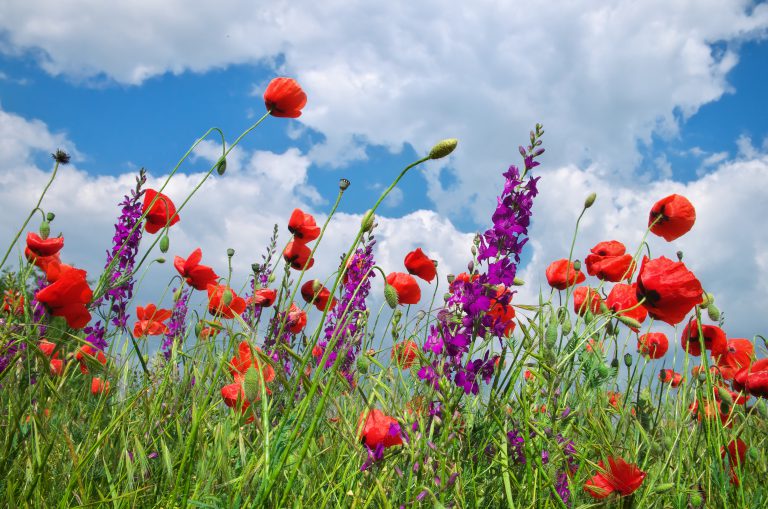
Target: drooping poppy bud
pixel 164 244
pixel 221 166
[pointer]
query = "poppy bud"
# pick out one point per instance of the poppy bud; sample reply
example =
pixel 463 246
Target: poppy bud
pixel 707 299
pixel 367 222
pixel 725 395
pixel 45 230
pixel 713 313
pixel 762 409
pixel 753 454
pixel 566 326
pixel 221 166
pixel 473 250
pixel 609 328
pixel 160 260
pixel 396 316
pixel 390 295
pixel 550 334
pixel 363 364
pixel 696 499
pixel 271 278
pixel 628 360
pixel 343 184
pixel 164 243
pixel 251 384
pixel 615 363
pixel 451 278
pixel 588 317
pixel 518 281
pixel 227 296
pixel 50 216
pixel 590 200
pixel 702 377
pixel 661 488
pixel 443 148
pixel 198 328
pixel 230 252
pixel 629 322
pixel 725 407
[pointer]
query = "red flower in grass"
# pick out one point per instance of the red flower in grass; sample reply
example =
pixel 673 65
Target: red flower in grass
pixel 55 364
pixel 38 247
pixel 297 254
pixel 159 214
pixel 197 276
pixel 379 429
pixel 57 367
pixel 297 320
pixel 714 339
pixel 263 297
pixel 668 376
pixel 284 98
pixel 47 348
pixel 67 295
pixel 753 379
pixel 408 291
pixel 99 386
pixel 42 262
pixel 502 312
pixel 624 297
pixel 673 217
pixel 586 299
pixel 13 302
pixel 620 476
pixel 151 321
pixel 710 411
pixel 313 292
pixel 667 289
pixel 608 261
pixel 303 227
pixel 419 264
pixel 561 274
pixel 239 365
pixel 653 344
pixel 217 305
pixel 738 354
pixel 88 352
pixel 738 398
pixel 736 452
pixel 404 353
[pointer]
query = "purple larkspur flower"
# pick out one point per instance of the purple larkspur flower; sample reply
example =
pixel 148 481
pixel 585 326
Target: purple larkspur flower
pixel 177 322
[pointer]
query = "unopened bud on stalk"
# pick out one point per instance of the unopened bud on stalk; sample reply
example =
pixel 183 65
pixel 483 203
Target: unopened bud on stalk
pixel 165 242
pixel 577 265
pixel 590 200
pixel 390 295
pixel 227 296
pixel 565 327
pixel 762 409
pixel 550 334
pixel 344 184
pixel 518 281
pixel 251 383
pixel 713 313
pixel 725 407
pixel 707 299
pixel 50 216
pixel 609 328
pixel 725 395
pixel 221 166
pixel 629 322
pixel 661 488
pixel 396 316
pixel 473 250
pixel 198 328
pixel 271 278
pixel 628 360
pixel 615 363
pixel 443 148
pixel 702 377
pixel 696 499
pixel 45 229
pixel 255 267
pixel 588 317
pixel 160 260
pixel 753 454
pixel 367 222
pixel 363 363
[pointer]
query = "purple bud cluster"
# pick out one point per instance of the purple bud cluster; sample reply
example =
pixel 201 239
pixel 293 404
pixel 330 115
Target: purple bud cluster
pixel 177 322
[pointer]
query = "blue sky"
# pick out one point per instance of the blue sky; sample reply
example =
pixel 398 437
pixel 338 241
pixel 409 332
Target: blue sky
pixel 639 100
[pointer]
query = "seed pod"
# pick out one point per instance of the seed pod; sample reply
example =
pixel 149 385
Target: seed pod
pixel 45 229
pixel 577 265
pixel 343 184
pixel 628 360
pixel 164 243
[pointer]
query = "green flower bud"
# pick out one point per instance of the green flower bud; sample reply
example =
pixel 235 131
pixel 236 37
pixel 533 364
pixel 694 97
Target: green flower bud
pixel 713 313
pixel 565 327
pixel 198 328
pixel 588 317
pixel 221 166
pixel 661 488
pixel 363 363
pixel 762 409
pixel 725 395
pixel 590 200
pixel 577 265
pixel 550 334
pixel 227 296
pixel 45 230
pixel 160 260
pixel 390 295
pixel 696 499
pixel 164 243
pixel 629 322
pixel 614 363
pixel 367 222
pixel 396 316
pixel 251 384
pixel 628 360
pixel 443 148
pixel 518 282
pixel 707 299
pixel 753 454
pixel 50 216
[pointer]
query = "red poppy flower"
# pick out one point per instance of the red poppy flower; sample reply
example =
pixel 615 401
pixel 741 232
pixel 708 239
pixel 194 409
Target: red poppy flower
pixel 620 476
pixel 609 262
pixel 263 297
pixel 673 216
pixel 528 374
pixel 68 296
pixel 151 321
pixel 303 226
pixel 561 274
pixel 738 398
pixel 162 213
pixel 297 320
pixel 47 348
pixel 210 332
pixel 668 376
pixel 408 291
pixel 197 276
pixel 88 352
pixel 614 399
pixel 753 379
pixel 404 353
pixel 502 312
pixel 669 290
pixel 57 367
pixel 653 344
pixel 320 297
pixel 239 365
pixel 736 452
pixel 714 339
pixel 710 411
pixel 379 429
pixel 738 354
pixel 317 352
pixel 594 345
pixel 216 305
pixel 42 248
pixel 99 386
pixel 419 264
pixel 586 299
pixel 624 297
pixel 42 262
pixel 13 302
pixel 297 254
pixel 284 98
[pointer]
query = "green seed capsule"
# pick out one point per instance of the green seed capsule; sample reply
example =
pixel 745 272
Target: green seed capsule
pixel 45 229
